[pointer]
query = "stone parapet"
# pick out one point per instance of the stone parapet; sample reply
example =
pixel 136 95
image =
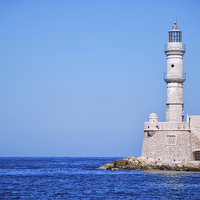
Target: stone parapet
pixel 176 126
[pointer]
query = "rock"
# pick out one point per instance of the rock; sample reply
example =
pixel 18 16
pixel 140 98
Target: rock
pixel 143 163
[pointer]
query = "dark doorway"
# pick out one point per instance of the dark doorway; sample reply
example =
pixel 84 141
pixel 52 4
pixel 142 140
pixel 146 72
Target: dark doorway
pixel 196 155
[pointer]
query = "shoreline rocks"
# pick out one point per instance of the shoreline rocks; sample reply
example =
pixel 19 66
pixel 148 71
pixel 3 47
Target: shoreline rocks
pixel 141 163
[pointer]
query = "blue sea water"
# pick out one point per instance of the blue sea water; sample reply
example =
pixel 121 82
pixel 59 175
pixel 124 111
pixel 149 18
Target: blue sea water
pixel 77 178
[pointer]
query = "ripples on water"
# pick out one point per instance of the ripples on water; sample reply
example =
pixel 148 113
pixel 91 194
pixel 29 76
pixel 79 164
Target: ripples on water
pixel 76 178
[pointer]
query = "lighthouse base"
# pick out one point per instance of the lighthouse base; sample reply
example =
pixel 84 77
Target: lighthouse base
pixel 172 141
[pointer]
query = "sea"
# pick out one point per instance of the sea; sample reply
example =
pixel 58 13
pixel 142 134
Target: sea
pixel 81 178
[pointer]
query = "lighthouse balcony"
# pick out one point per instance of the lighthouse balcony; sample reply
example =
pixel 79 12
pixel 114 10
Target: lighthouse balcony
pixel 174 79
pixel 176 46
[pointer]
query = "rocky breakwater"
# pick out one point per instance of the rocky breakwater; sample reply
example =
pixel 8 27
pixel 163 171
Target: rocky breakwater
pixel 141 163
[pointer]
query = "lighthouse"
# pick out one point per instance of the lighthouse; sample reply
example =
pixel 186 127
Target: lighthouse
pixel 175 139
pixel 174 78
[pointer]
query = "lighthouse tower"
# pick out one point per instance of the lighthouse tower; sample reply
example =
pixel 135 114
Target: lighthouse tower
pixel 175 139
pixel 174 78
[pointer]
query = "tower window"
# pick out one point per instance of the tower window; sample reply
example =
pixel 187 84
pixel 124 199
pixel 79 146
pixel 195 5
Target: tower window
pixel 172 65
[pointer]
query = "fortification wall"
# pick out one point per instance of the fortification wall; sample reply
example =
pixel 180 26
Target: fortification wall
pixel 194 121
pixel 166 126
pixel 167 145
pixel 169 141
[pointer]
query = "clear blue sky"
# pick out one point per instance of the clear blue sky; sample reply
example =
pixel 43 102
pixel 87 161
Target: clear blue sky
pixel 79 78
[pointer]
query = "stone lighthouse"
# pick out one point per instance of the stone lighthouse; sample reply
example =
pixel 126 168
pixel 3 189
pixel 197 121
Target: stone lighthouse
pixel 174 79
pixel 175 139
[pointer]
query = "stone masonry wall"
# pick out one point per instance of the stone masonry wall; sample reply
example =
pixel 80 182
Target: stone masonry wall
pixel 167 145
pixel 194 122
pixel 169 141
